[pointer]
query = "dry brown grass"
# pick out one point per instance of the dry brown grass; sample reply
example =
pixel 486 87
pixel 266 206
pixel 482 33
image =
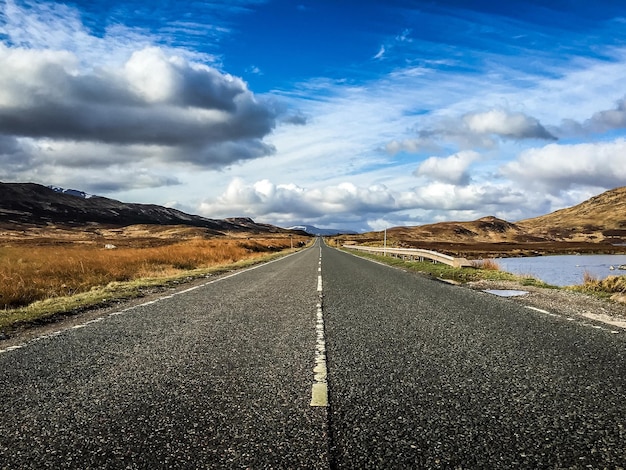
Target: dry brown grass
pixel 488 264
pixel 612 284
pixel 33 273
pixel 589 278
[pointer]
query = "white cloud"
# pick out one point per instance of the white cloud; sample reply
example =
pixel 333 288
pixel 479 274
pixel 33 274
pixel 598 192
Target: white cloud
pixel 475 130
pixel 294 204
pixel 154 99
pixel 380 54
pixel 603 121
pixel 556 168
pixel 358 206
pixel 452 169
pixel 506 124
pixel 381 147
pixel 422 144
pixel 404 36
pixel 154 107
pixel 114 112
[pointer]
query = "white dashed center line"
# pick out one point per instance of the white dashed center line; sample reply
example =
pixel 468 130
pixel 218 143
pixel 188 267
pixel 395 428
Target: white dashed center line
pixel 319 390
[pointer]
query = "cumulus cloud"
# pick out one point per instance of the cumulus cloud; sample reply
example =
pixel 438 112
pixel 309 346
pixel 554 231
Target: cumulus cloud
pixel 96 169
pixel 600 122
pixel 362 207
pixel 297 119
pixel 452 169
pixel 15 156
pixel 73 103
pixel 473 130
pixel 153 99
pixel 506 124
pixel 421 144
pixel 559 167
pixel 265 198
pixel 607 120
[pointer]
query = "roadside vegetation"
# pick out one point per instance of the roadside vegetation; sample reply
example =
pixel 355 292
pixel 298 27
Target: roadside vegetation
pixel 480 270
pixel 603 287
pixel 488 269
pixel 41 281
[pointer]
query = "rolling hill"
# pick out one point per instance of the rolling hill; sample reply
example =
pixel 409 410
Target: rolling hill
pixel 484 230
pixel 596 219
pixel 28 205
pixel 595 225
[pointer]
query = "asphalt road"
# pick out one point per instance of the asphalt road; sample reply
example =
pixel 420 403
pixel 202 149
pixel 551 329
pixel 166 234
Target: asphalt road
pixel 421 374
pixel 218 377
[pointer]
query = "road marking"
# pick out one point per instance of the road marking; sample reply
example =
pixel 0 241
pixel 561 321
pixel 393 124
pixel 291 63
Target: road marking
pixel 539 310
pixel 319 389
pixel 138 306
pixel 601 318
pixel 583 323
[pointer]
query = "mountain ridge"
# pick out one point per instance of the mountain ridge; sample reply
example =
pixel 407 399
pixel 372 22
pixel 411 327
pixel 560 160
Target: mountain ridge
pixel 598 220
pixel 33 205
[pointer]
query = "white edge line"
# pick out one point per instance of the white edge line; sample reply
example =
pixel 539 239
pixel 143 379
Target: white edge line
pixel 527 306
pixel 154 301
pixel 539 310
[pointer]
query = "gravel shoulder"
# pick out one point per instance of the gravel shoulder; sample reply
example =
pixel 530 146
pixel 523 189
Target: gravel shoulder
pixel 561 301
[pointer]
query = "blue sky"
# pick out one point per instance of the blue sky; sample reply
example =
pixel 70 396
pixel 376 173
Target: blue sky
pixel 345 114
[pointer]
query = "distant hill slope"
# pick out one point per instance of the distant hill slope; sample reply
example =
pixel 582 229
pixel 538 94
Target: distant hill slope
pixel 29 204
pixel 598 218
pixel 486 229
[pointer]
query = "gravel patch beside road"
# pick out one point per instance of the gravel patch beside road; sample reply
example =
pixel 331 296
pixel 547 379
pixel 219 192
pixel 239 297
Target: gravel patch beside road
pixel 561 301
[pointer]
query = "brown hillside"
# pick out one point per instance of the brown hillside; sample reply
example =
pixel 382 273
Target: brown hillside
pixel 484 230
pixel 600 218
pixel 37 208
pixel 594 226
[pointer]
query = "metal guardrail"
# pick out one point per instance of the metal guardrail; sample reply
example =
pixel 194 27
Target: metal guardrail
pixel 415 253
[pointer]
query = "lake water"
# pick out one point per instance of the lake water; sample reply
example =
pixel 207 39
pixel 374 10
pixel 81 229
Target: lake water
pixel 564 270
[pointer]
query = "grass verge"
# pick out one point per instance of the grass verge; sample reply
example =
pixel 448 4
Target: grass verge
pixel 49 308
pixel 461 275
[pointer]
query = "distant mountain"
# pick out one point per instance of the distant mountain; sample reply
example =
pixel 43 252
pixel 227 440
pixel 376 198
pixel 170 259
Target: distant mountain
pixel 28 204
pixel 327 232
pixel 484 230
pixel 596 219
pixel 601 219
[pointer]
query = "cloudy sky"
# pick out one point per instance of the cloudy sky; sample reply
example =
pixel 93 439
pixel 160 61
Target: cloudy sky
pixel 347 114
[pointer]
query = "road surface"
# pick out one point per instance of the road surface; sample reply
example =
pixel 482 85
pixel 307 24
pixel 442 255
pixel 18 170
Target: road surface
pixel 420 374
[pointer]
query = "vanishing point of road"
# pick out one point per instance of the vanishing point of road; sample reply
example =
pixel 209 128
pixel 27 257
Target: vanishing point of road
pixel 318 360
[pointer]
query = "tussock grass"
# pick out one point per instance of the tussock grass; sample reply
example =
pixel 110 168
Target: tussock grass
pixel 610 285
pixel 589 278
pixel 38 281
pixel 487 264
